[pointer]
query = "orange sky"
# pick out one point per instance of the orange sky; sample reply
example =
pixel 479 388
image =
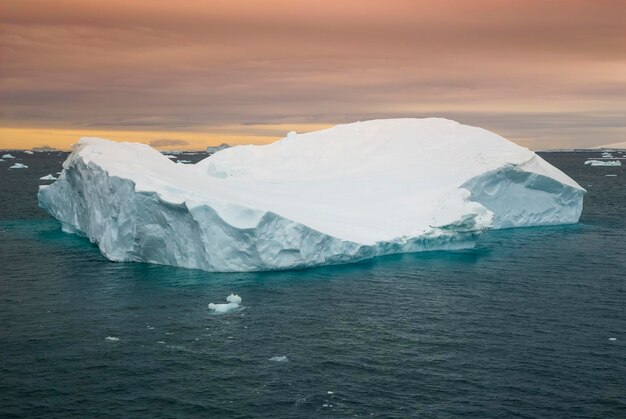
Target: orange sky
pixel 193 73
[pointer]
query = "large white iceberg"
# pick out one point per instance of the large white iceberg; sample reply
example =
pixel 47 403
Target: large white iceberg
pixel 339 195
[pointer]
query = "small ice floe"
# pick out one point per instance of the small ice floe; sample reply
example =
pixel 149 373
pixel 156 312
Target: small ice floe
pixel 233 302
pixel 603 162
pixel 183 161
pixel 28 152
pixel 281 358
pixel 170 156
pixel 18 166
pixel 607 155
pixel 330 392
pixel 610 175
pixel 612 339
pixel 112 339
pixel 8 156
pixel 47 177
pixel 1 159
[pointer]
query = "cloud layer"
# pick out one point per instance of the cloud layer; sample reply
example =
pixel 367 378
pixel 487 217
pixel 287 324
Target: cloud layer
pixel 545 73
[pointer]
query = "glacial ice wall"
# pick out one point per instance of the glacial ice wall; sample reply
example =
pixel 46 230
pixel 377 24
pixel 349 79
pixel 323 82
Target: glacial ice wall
pixel 340 195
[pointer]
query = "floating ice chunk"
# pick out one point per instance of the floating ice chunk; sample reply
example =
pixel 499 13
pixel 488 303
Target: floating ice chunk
pixel 8 156
pixel 47 177
pixel 603 162
pixel 170 156
pixel 281 358
pixel 28 152
pixel 1 159
pixel 233 303
pixel 610 175
pixel 18 166
pixel 112 338
pixel 330 392
pixel 234 298
pixel 183 161
pixel 612 338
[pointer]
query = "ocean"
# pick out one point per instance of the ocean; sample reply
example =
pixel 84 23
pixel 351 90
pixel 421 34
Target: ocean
pixel 529 323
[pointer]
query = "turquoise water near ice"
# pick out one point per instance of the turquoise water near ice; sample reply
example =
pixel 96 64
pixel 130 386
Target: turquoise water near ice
pixel 518 326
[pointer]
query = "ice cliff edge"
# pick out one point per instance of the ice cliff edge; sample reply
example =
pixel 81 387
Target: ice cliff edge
pixel 338 195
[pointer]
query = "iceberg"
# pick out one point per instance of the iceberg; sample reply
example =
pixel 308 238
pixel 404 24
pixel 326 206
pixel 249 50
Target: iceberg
pixel 339 195
pixel 613 146
pixel 47 177
pixel 603 163
pixel 8 156
pixel 18 166
pixel 28 152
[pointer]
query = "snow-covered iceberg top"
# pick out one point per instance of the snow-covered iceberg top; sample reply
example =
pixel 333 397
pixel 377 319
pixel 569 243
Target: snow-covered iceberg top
pixel 338 195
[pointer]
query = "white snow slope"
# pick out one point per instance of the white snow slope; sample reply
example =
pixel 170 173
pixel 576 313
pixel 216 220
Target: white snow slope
pixel 339 195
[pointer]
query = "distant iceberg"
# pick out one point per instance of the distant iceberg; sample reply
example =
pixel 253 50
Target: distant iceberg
pixel 8 156
pixel 603 162
pixel 18 166
pixel 28 152
pixel 47 177
pixel 338 195
pixel 215 149
pixel 613 146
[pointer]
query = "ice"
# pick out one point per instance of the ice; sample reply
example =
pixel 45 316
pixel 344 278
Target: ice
pixel 234 301
pixel 8 156
pixel 603 162
pixel 28 152
pixel 170 156
pixel 610 175
pixel 1 159
pixel 281 358
pixel 47 177
pixel 614 146
pixel 612 338
pixel 18 166
pixel 183 161
pixel 112 339
pixel 234 298
pixel 215 149
pixel 338 195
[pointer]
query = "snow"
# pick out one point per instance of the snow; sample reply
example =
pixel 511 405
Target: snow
pixel 47 177
pixel 613 146
pixel 233 303
pixel 339 195
pixel 603 162
pixel 8 156
pixel 18 166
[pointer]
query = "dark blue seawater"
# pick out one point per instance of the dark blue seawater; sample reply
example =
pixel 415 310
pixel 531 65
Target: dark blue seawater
pixel 518 326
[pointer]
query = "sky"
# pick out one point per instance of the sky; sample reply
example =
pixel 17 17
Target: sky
pixel 188 74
